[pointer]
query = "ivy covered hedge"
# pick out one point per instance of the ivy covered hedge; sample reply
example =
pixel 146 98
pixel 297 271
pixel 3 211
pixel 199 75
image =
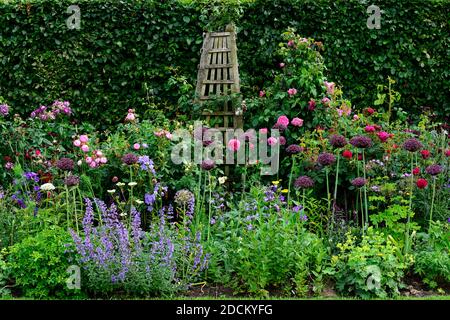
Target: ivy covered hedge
pixel 136 53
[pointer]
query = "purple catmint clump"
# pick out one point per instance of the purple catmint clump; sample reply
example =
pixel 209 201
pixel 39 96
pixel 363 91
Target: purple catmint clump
pixel 146 164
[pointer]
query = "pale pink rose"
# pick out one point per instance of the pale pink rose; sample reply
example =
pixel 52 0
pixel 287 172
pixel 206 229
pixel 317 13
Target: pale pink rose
pixel 136 146
pixel 98 153
pixel 84 138
pixel 130 117
pixel 326 101
pixel 169 135
pixel 290 43
pixel 97 160
pixel 79 163
pixel 283 120
pixel 262 93
pixel 77 143
pixel 282 64
pixel 355 117
pixel 88 160
pixel 330 87
pixel 85 148
pixel 93 164
pixel 103 160
pixel 234 144
pixel 297 122
pixel 292 91
pixel 340 112
pixel 271 141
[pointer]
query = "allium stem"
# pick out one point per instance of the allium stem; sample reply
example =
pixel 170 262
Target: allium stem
pixel 432 203
pixel 410 206
pixel 290 183
pixel 365 190
pixel 67 203
pixel 328 189
pixel 209 208
pixel 74 195
pixel 335 189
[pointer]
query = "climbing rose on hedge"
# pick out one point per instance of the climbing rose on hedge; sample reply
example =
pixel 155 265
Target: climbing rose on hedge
pixel 383 136
pixel 297 122
pixel 292 91
pixel 283 120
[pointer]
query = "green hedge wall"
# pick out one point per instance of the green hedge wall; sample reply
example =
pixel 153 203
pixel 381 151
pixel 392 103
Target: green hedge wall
pixel 126 51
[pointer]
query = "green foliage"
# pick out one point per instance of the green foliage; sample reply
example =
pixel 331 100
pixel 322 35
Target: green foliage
pixel 39 265
pixel 259 249
pixel 374 267
pixel 125 51
pixel 3 277
pixel 432 255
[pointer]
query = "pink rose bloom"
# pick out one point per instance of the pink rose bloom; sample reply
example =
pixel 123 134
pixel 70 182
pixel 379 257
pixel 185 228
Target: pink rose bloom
pixel 159 133
pixel 263 130
pixel 282 65
pixel 355 117
pixel 383 136
pixel 290 43
pixel 292 91
pixel 311 105
pixel 88 160
pixel 98 153
pixel 103 160
pixel 369 128
pixel 93 164
pixel 97 160
pixel 84 138
pixel 283 120
pixel 169 135
pixel 297 122
pixel 326 100
pixel 234 144
pixel 330 87
pixel 340 112
pixel 84 148
pixel 136 146
pixel 271 141
pixel 77 143
pixel 282 140
pixel 130 117
pixel 262 93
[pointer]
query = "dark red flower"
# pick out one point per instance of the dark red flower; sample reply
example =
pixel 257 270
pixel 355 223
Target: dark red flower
pixel 425 154
pixel 416 171
pixel 370 110
pixel 421 183
pixel 347 154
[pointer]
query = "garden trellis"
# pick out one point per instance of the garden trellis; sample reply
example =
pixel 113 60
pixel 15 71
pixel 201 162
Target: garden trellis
pixel 218 77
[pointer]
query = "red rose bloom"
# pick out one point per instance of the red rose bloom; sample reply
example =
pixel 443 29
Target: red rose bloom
pixel 359 156
pixel 422 183
pixel 425 154
pixel 447 153
pixel 370 111
pixel 347 154
pixel 416 171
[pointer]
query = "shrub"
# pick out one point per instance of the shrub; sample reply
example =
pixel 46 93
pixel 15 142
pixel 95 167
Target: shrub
pixel 3 277
pixel 373 267
pixel 39 265
pixel 257 248
pixel 432 255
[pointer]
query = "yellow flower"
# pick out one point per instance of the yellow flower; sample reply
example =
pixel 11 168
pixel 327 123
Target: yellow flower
pixel 285 191
pixel 275 182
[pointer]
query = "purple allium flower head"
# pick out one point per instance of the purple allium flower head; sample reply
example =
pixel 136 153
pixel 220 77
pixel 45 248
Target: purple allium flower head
pixel 294 149
pixel 208 164
pixel 303 182
pixel 361 142
pixel 65 164
pixel 412 145
pixel 4 110
pixel 71 181
pixel 359 182
pixel 337 141
pixel 130 159
pixel 326 159
pixel 433 169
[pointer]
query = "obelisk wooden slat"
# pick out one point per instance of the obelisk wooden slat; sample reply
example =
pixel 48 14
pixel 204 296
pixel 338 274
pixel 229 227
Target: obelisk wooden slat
pixel 218 76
